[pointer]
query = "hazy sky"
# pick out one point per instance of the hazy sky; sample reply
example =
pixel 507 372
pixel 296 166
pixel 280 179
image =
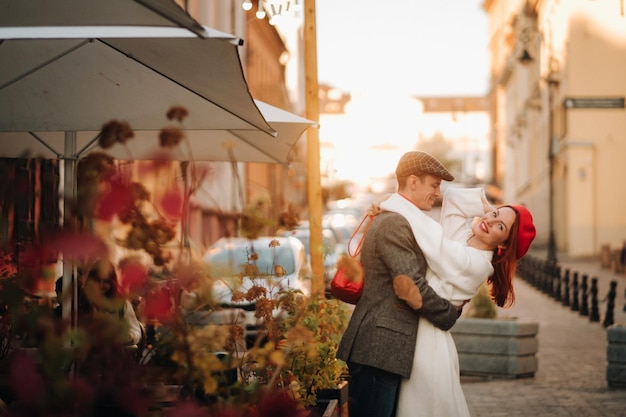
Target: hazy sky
pixel 415 47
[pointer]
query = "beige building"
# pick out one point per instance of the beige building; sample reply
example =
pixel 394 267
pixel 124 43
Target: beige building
pixel 558 123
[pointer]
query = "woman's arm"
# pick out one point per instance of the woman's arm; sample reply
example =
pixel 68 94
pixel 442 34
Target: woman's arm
pixel 458 207
pixel 453 263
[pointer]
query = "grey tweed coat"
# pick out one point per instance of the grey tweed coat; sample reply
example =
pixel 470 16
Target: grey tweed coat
pixel 382 330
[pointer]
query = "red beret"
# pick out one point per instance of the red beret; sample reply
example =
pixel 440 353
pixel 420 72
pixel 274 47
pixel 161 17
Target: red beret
pixel 526 231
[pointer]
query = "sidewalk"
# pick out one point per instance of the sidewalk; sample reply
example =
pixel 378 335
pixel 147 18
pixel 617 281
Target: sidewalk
pixel 571 379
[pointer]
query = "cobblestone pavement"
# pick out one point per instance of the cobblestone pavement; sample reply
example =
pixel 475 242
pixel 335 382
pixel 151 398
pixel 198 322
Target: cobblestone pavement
pixel 571 375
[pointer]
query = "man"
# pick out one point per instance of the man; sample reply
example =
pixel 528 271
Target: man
pixel 379 343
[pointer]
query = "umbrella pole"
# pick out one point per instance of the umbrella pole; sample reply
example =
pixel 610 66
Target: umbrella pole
pixel 69 290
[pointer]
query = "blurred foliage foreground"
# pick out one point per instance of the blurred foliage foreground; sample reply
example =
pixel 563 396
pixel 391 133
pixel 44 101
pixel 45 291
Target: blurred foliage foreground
pixel 52 365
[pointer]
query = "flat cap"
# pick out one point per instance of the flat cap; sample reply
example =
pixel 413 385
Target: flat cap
pixel 420 163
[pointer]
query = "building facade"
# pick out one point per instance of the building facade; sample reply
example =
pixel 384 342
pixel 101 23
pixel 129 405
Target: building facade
pixel 265 54
pixel 558 119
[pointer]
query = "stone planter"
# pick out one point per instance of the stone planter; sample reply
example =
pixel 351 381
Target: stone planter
pixel 616 357
pixel 496 347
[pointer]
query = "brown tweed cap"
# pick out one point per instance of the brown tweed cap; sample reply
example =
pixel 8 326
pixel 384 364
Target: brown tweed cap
pixel 420 163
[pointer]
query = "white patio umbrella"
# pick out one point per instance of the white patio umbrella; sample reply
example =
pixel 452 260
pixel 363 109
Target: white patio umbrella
pixel 205 145
pixel 73 80
pixel 63 68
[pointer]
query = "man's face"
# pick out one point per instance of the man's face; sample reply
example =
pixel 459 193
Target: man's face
pixel 424 191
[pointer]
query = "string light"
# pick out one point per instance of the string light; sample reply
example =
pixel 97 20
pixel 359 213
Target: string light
pixel 276 8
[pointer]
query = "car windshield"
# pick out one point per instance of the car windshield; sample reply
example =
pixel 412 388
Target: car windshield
pixel 230 259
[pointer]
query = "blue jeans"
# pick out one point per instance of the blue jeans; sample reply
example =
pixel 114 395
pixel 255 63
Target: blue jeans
pixel 373 392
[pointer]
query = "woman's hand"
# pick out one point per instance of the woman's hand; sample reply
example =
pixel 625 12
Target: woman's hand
pixel 374 209
pixel 459 309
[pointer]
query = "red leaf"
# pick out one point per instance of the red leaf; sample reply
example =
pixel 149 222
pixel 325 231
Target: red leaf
pixel 172 203
pixel 279 404
pixel 133 275
pixel 77 246
pixel 117 199
pixel 26 382
pixel 159 305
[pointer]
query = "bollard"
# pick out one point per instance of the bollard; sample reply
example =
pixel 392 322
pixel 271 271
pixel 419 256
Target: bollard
pixel 523 268
pixel 595 313
pixel 548 284
pixel 609 318
pixel 557 284
pixel 565 300
pixel 547 278
pixel 531 272
pixel 575 306
pixel 543 280
pixel 535 275
pixel 584 305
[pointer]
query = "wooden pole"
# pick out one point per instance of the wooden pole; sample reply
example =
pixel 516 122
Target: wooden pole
pixel 314 186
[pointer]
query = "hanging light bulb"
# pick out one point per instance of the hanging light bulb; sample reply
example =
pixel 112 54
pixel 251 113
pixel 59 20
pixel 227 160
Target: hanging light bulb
pixel 247 5
pixel 260 13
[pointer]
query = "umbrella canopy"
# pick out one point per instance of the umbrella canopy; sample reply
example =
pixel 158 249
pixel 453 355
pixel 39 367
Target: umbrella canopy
pixel 205 145
pixel 72 80
pixel 41 14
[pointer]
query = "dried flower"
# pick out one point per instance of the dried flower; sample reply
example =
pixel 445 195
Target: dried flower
pixel 170 137
pixel 289 219
pixel 279 271
pixel 178 113
pixel 114 132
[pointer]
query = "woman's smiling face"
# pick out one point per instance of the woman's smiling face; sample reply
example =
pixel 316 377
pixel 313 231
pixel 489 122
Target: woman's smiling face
pixel 494 228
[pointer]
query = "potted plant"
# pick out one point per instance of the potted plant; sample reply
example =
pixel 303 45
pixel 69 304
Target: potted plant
pixel 489 345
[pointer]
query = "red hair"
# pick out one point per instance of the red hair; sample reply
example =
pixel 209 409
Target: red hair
pixel 504 263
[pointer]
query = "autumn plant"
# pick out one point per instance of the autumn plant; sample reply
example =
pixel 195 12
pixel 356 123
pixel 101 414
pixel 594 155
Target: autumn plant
pixel 76 371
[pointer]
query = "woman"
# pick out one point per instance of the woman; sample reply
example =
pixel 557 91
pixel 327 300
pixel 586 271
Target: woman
pixel 461 256
pixel 101 299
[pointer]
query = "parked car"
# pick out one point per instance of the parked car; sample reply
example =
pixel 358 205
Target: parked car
pixel 229 257
pixel 331 248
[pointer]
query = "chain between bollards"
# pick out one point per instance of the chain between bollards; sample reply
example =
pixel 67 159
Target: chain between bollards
pixel 580 296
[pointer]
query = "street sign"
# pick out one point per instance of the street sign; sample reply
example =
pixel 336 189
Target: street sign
pixel 594 103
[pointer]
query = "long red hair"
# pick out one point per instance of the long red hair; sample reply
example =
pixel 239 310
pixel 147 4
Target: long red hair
pixel 504 267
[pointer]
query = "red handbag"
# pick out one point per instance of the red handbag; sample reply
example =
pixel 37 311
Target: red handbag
pixel 345 287
pixel 347 284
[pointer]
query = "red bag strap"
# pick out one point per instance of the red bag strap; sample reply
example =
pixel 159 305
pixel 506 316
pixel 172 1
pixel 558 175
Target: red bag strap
pixel 357 251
